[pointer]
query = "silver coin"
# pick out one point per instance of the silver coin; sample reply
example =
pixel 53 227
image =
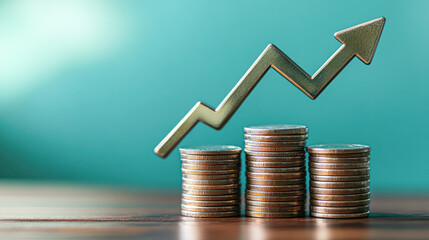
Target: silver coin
pixel 275 204
pixel 339 172
pixel 276 138
pixel 323 203
pixel 275 209
pixel 338 165
pixel 210 172
pixel 211 203
pixel 275 164
pixel 275 159
pixel 338 148
pixel 279 176
pixel 274 182
pixel 273 149
pixel 276 188
pixel 279 129
pixel 211 167
pixel 275 154
pixel 353 197
pixel 339 178
pixel 210 209
pixel 274 144
pixel 276 194
pixel 358 184
pixel 275 214
pixel 339 191
pixel 339 210
pixel 210 192
pixel 210 187
pixel 312 158
pixel 275 199
pixel 275 170
pixel 211 177
pixel 210 150
pixel 334 155
pixel 212 162
pixel 211 182
pixel 343 216
pixel 210 214
pixel 210 157
pixel 211 198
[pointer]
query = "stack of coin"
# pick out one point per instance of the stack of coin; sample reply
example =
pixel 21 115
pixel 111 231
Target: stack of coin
pixel 275 171
pixel 339 180
pixel 211 181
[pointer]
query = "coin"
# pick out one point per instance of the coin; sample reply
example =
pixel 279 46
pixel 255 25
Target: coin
pixel 339 191
pixel 275 154
pixel 339 178
pixel 323 203
pixel 273 149
pixel 275 182
pixel 337 148
pixel 275 159
pixel 210 157
pixel 275 204
pixel 275 194
pixel 348 215
pixel 274 164
pixel 275 138
pixel 275 209
pixel 210 150
pixel 356 184
pixel 276 175
pixel 210 187
pixel 210 172
pixel 212 162
pixel 312 158
pixel 275 199
pixel 276 188
pixel 210 192
pixel 210 198
pixel 339 172
pixel 211 177
pixel 339 210
pixel 348 155
pixel 210 214
pixel 211 182
pixel 210 209
pixel 338 165
pixel 211 167
pixel 280 129
pixel 275 170
pixel 211 203
pixel 275 144
pixel 275 215
pixel 353 197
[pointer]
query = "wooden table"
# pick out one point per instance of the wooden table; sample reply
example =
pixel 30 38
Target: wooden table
pixel 47 211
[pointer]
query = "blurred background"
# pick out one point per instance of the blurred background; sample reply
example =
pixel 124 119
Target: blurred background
pixel 89 88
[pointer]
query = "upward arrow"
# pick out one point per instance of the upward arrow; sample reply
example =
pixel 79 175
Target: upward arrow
pixel 360 40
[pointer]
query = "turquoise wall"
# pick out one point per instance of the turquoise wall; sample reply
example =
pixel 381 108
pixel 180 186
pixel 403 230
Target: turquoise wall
pixel 87 90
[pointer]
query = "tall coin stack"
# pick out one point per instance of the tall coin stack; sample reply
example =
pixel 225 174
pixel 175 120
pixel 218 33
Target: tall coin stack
pixel 339 180
pixel 275 160
pixel 211 181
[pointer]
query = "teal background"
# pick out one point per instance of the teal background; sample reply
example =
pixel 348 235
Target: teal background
pixel 98 121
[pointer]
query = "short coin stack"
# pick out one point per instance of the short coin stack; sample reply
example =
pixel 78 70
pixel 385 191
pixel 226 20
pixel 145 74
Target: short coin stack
pixel 339 180
pixel 275 171
pixel 211 181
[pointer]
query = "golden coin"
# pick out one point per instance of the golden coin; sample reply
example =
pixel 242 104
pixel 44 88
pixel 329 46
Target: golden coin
pixel 321 184
pixel 323 203
pixel 275 204
pixel 210 209
pixel 280 129
pixel 312 158
pixel 210 157
pixel 339 210
pixel 211 182
pixel 210 172
pixel 210 150
pixel 343 216
pixel 211 203
pixel 211 198
pixel 276 138
pixel 337 148
pixel 274 182
pixel 210 187
pixel 274 144
pixel 210 192
pixel 277 159
pixel 275 214
pixel 211 167
pixel 275 154
pixel 339 172
pixel 338 165
pixel 353 197
pixel 211 177
pixel 279 188
pixel 276 194
pixel 273 149
pixel 339 191
pixel 276 175
pixel 275 164
pixel 210 214
pixel 275 209
pixel 275 170
pixel 339 178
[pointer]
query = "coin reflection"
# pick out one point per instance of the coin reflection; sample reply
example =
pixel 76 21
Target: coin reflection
pixel 208 229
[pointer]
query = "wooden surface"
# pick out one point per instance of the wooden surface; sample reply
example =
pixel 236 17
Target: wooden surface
pixel 42 211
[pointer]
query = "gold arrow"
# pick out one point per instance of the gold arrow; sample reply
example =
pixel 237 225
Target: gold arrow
pixel 360 40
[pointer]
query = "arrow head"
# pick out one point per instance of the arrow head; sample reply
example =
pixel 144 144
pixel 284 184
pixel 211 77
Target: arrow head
pixel 362 39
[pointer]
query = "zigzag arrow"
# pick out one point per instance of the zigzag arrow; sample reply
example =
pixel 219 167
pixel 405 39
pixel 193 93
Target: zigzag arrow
pixel 360 40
